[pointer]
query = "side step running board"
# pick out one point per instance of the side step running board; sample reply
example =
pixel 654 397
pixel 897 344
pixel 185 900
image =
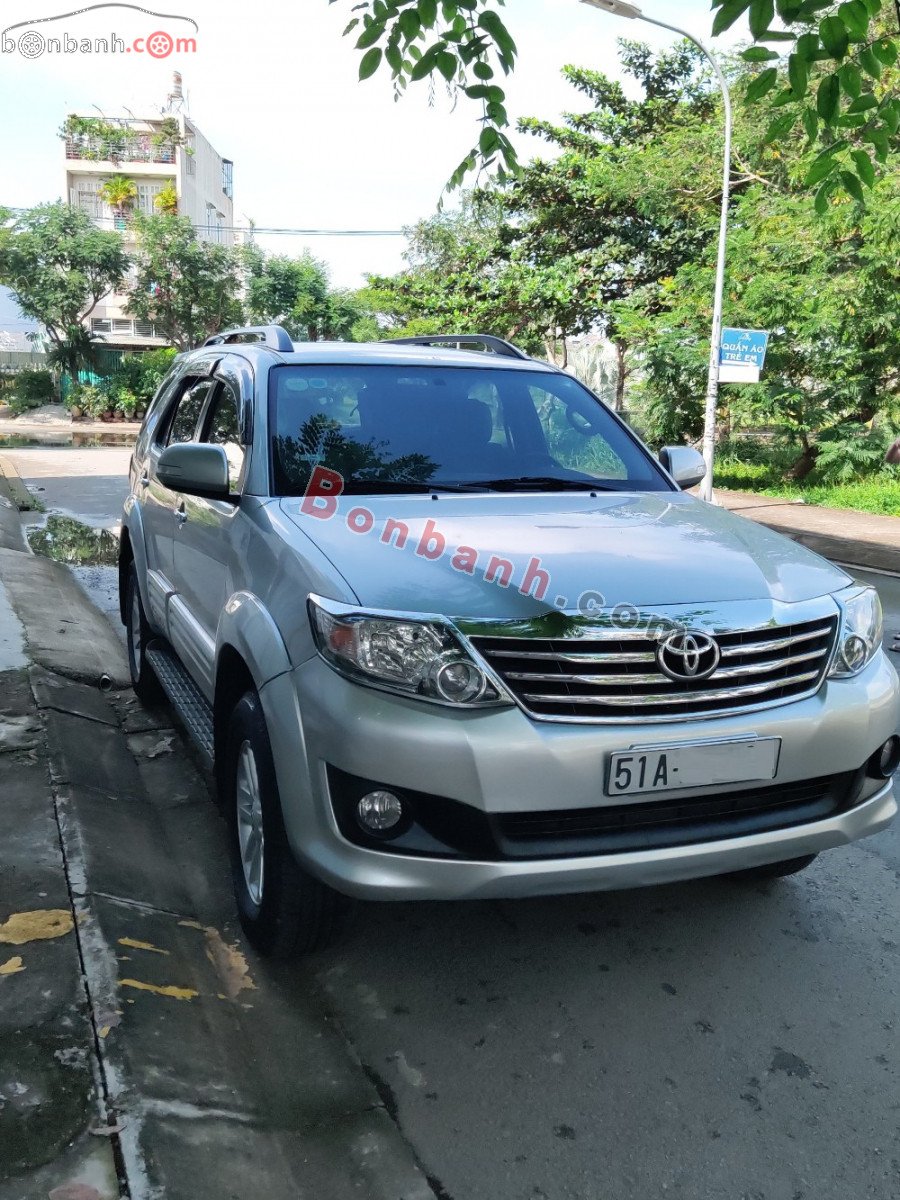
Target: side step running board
pixel 188 701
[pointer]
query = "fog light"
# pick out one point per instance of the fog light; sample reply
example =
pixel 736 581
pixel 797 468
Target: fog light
pixel 884 762
pixel 459 680
pixel 378 812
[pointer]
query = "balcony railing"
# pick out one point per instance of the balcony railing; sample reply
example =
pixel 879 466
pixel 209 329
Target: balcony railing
pixel 131 148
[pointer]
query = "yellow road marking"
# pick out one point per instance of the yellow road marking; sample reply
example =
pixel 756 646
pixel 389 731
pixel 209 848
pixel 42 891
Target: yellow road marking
pixel 134 944
pixel 177 993
pixel 12 966
pixel 36 926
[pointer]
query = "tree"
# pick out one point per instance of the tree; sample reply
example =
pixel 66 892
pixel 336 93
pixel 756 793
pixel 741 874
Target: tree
pixel 59 265
pixel 827 289
pixel 462 277
pixel 556 250
pixel 296 293
pixel 188 288
pixel 621 215
pixel 824 50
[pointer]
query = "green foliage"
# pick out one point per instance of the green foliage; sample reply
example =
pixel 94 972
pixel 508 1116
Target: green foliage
pixel 296 293
pixel 846 59
pixel 31 388
pixel 59 265
pixel 830 57
pixel 166 200
pixel 142 374
pixel 850 452
pixel 465 43
pixel 878 493
pixel 187 287
pixel 91 399
pixel 119 192
pixel 125 402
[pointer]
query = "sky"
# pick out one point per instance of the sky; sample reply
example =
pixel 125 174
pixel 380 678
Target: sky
pixel 274 87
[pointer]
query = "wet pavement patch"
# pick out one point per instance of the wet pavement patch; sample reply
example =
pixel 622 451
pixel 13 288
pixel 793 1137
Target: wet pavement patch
pixel 88 441
pixel 46 1096
pixel 69 541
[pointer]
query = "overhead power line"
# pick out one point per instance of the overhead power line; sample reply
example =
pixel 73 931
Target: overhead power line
pixel 253 230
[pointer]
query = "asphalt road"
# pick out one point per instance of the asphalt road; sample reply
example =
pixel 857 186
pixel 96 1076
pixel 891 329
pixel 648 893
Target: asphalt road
pixel 708 1040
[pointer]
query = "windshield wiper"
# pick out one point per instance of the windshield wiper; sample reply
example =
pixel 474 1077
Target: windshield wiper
pixel 545 483
pixel 399 487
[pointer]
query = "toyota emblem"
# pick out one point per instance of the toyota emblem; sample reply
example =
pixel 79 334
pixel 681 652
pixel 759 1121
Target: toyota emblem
pixel 688 656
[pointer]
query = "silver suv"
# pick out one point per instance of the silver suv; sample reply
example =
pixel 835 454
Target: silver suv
pixel 445 628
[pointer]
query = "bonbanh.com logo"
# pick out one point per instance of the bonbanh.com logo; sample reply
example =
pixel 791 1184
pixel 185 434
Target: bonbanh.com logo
pixel 31 42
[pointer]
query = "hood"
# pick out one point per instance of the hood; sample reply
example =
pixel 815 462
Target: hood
pixel 478 555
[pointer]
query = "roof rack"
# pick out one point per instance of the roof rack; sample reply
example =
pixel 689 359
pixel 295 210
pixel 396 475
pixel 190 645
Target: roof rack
pixel 270 335
pixel 491 344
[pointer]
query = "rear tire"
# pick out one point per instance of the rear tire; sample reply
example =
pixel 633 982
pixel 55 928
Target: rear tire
pixel 146 686
pixel 284 911
pixel 776 870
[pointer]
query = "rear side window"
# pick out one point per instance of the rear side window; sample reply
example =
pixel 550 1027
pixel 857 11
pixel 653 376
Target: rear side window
pixel 183 427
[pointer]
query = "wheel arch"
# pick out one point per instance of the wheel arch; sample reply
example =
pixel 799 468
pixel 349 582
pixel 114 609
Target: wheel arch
pixel 132 549
pixel 250 651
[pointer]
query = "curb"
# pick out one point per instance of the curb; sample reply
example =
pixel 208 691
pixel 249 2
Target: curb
pixel 12 534
pixel 17 490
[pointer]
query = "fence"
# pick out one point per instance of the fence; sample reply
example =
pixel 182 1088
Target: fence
pixel 13 361
pixel 106 368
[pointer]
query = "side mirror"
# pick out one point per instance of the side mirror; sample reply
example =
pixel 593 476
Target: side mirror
pixel 686 465
pixel 195 468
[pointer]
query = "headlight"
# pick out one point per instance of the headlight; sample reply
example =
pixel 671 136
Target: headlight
pixel 422 658
pixel 860 633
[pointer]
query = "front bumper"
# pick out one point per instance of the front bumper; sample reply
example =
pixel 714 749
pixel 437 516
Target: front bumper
pixel 500 761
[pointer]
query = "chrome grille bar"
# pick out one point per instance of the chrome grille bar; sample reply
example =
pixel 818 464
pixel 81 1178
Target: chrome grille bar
pixel 774 643
pixel 658 677
pixel 704 697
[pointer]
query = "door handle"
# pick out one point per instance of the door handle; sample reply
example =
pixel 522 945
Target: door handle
pixel 180 515
pixel 144 480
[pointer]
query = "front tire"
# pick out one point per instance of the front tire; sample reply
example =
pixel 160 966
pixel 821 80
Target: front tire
pixel 776 870
pixel 146 686
pixel 283 910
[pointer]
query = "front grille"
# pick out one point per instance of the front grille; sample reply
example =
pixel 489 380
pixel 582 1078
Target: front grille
pixel 617 678
pixel 657 824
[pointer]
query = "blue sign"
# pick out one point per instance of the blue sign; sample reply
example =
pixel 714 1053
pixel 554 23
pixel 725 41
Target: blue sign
pixel 742 355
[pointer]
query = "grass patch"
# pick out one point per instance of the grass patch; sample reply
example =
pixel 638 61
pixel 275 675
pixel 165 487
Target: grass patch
pixel 879 494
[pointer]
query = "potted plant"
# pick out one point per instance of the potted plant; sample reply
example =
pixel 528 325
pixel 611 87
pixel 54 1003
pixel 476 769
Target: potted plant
pixel 74 404
pixel 167 200
pixel 94 401
pixel 126 404
pixel 120 193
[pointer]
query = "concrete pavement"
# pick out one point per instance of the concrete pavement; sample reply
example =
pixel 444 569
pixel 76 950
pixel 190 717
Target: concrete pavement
pixel 142 1053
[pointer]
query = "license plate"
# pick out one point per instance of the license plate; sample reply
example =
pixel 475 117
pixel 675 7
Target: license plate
pixel 665 768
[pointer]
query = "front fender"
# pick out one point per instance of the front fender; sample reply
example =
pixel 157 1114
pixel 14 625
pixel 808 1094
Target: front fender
pixel 247 626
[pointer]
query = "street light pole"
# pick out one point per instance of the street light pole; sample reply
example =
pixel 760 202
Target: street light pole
pixel 621 9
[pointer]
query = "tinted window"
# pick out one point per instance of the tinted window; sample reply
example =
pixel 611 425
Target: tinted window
pixel 420 426
pixel 187 413
pixel 223 429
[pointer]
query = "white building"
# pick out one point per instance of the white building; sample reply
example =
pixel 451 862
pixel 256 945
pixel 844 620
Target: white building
pixel 167 158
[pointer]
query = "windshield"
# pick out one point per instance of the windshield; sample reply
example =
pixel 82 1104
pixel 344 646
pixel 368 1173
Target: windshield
pixel 411 428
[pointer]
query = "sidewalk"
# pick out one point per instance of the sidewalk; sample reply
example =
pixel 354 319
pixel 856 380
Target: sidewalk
pixel 859 539
pixel 142 1054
